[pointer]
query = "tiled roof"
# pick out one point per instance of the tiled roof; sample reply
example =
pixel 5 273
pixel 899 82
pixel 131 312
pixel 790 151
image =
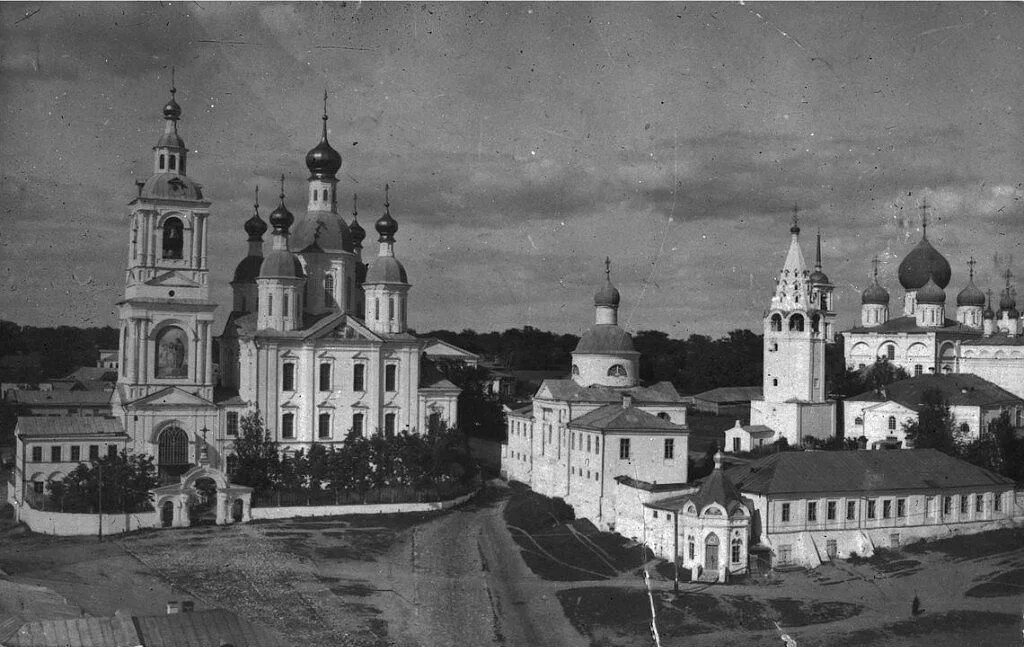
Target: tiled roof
pixel 958 389
pixel 731 394
pixel 909 324
pixel 615 417
pixel 44 426
pixel 203 629
pixel 61 398
pixel 569 390
pixel 865 471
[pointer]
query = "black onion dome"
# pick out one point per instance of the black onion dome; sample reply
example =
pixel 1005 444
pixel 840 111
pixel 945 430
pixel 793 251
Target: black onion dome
pixel 817 276
pixel 323 161
pixel 924 262
pixel 172 110
pixel 281 219
pixel 255 227
pixel 875 294
pixel 988 314
pixel 607 296
pixel 970 296
pixel 387 227
pixel 248 269
pixel 931 294
pixel 1006 300
pixel 357 232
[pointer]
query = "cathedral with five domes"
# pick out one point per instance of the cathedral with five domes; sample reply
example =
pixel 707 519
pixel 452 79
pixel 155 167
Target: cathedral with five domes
pixel 317 339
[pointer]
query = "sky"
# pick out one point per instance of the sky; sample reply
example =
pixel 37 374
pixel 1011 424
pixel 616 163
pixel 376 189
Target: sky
pixel 524 143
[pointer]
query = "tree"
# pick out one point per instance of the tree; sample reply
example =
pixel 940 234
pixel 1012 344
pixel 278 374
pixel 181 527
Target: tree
pixel 258 460
pixel 934 427
pixel 126 482
pixel 998 448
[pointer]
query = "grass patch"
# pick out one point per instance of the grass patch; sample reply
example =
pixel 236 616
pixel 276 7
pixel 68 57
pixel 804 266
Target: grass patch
pixel 1003 585
pixel 983 544
pixel 1000 629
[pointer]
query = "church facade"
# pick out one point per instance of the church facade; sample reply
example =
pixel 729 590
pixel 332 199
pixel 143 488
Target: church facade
pixel 317 339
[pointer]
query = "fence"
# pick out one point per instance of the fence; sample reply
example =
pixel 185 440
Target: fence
pixel 67 524
pixel 375 496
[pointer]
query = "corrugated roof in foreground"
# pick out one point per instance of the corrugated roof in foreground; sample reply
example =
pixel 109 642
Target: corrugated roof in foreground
pixel 203 629
pixel 117 631
pixel 860 471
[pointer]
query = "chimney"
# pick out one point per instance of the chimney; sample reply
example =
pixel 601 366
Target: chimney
pixel 627 400
pixel 173 607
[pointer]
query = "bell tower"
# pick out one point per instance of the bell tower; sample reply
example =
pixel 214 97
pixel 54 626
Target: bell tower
pixel 166 315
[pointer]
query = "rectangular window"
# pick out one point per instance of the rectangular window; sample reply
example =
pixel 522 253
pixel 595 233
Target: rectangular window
pixel 901 507
pixel 670 448
pixel 978 503
pixel 588 443
pixel 830 511
pixel 851 510
pixel 232 423
pixel 94 452
pixel 947 505
pixel 323 426
pixel 288 377
pixel 112 451
pixel 964 503
pixel 55 454
pixel 785 512
pixel 597 445
pixel 325 377
pixel 812 511
pixel 288 425
pixel 285 305
pixel 359 377
pixel 573 442
pixel 390 383
pixel 37 454
pixel 357 424
pixel 997 502
pixel 886 509
pixel 872 509
pixel 624 448
pixel 389 424
pixel 76 453
pixel 736 444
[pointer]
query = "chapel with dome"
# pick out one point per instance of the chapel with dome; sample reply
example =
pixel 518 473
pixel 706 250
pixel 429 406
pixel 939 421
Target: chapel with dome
pixel 317 339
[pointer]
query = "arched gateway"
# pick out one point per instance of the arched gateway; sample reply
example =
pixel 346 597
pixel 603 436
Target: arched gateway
pixel 231 502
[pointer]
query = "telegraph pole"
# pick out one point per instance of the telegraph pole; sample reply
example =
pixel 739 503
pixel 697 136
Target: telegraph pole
pixel 675 552
pixel 99 467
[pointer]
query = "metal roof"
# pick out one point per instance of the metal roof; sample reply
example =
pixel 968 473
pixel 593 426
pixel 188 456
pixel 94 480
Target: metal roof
pixel 60 398
pixel 118 631
pixel 862 471
pixel 616 417
pixel 46 426
pixel 203 629
pixel 731 394
pixel 958 389
pixel 909 324
pixel 571 391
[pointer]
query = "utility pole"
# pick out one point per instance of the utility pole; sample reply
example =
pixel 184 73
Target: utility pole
pixel 99 468
pixel 675 552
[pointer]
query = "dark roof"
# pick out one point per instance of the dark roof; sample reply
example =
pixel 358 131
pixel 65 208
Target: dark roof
pixel 715 488
pixel 117 631
pixel 1001 339
pixel 386 269
pixel 725 394
pixel 45 426
pixel 571 391
pixel 203 629
pixel 320 230
pixel 432 378
pixel 862 470
pixel 605 338
pixel 958 389
pixel 58 398
pixel 615 417
pixel 171 186
pixel 93 374
pixel 248 269
pixel 647 486
pixel 909 324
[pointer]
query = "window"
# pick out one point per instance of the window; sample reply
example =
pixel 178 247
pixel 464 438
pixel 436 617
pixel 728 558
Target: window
pixel 325 377
pixel 391 309
pixel 624 448
pixel 37 487
pixel 777 322
pixel 617 370
pixel 573 440
pixel 851 510
pixel 736 444
pixel 785 512
pixel 55 454
pixel 288 377
pixel 94 452
pixel 901 507
pixel 37 454
pixel 376 309
pixel 285 306
pixel 288 425
pixel 859 421
pixel 76 453
pixel 692 547
pixel 890 352
pixel 886 509
pixel 785 554
pixel 965 428
pixel 328 290
pixel 894 540
pixel 163 161
pixel 357 424
pixel 812 511
pixel 872 509
pixel 892 423
pixel 830 511
pixel 947 505
pixel 172 162
pixel 389 424
pixel 796 323
pixel 232 423
pixel 597 445
pixel 963 503
pixel 655 514
pixel 112 451
pixel 358 377
pixel 775 381
pixel 323 425
pixel 270 305
pixel 670 448
pixel 737 545
pixel 918 370
pixel 173 238
pixel 389 378
pixel 588 443
pixel 978 503
pixel 997 502
pixel 575 370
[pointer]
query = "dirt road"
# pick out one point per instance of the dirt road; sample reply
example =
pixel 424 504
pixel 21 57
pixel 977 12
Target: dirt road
pixel 459 580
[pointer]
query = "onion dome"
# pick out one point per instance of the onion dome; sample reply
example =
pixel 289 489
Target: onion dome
pixel 970 295
pixel 818 277
pixel 605 338
pixel 607 296
pixel 356 230
pixel 1006 300
pixel 281 264
pixel 924 262
pixel 988 314
pixel 172 110
pixel 322 160
pixel 281 219
pixel 931 294
pixel 255 226
pixel 386 225
pixel 248 269
pixel 875 294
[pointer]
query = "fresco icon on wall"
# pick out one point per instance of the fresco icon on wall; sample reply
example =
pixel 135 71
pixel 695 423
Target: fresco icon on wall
pixel 171 353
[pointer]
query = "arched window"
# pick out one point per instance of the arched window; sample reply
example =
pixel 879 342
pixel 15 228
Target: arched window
pixel 172 162
pixel 389 424
pixel 323 426
pixel 858 420
pixel 892 423
pixel 288 425
pixel 617 370
pixel 737 546
pixel 663 415
pixel 173 240
pixel 172 451
pixel 965 428
pixel 775 381
pixel 575 370
pixel 796 322
pixel 391 309
pixel 163 161
pixel 815 323
pixel 328 290
pixel 777 322
pixel 692 547
pixel 357 424
pixel 890 352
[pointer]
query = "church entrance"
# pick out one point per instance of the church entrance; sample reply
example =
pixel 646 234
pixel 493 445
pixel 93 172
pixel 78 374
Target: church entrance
pixel 167 514
pixel 172 454
pixel 202 504
pixel 711 553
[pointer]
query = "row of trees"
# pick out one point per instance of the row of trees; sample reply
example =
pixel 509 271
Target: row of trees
pixel 119 483
pixel 61 349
